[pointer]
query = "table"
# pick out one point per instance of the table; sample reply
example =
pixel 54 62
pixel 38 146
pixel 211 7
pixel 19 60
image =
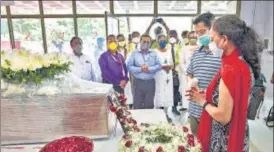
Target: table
pixel 152 116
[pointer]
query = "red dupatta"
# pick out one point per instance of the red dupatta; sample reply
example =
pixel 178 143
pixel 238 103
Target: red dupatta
pixel 236 76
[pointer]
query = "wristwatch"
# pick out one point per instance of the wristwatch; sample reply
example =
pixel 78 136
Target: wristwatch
pixel 205 104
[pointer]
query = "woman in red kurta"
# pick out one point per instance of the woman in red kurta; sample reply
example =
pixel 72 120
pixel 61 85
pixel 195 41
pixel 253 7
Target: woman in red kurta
pixel 223 126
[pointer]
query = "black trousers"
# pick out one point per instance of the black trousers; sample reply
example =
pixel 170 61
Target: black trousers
pixel 176 95
pixel 116 88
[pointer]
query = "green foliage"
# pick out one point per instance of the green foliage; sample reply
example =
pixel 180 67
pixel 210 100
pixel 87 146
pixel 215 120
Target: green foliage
pixel 158 136
pixel 36 77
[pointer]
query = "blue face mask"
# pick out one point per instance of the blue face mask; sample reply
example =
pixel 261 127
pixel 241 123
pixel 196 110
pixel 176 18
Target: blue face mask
pixel 162 44
pixel 204 40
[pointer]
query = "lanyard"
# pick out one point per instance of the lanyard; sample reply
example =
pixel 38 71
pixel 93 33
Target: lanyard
pixel 145 60
pixel 121 63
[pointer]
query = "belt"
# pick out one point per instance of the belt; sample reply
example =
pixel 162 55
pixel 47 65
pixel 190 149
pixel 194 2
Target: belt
pixel 144 80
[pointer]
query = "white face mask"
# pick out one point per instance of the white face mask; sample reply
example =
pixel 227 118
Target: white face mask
pixel 172 40
pixel 136 40
pixel 215 50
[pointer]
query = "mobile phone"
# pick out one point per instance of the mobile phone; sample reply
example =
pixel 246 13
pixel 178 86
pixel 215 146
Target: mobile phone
pixel 158 20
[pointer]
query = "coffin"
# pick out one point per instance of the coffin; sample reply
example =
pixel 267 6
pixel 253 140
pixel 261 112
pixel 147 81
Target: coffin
pixel 46 118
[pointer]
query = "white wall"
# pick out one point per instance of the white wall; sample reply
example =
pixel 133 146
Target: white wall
pixel 259 15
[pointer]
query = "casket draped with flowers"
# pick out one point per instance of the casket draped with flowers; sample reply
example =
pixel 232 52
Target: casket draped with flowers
pixel 41 101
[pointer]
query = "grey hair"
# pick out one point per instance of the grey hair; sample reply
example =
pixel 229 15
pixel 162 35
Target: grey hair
pixel 243 37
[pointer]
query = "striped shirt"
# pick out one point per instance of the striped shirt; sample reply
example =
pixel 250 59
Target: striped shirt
pixel 203 66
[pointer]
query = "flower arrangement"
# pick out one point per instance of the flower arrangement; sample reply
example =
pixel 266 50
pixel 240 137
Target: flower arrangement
pixel 151 138
pixel 69 144
pixel 159 138
pixel 22 67
pixel 119 107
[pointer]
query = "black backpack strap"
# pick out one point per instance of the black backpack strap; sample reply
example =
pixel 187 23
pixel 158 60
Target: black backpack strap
pixel 201 48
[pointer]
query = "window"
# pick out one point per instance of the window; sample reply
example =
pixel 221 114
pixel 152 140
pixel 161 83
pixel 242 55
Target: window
pixel 133 7
pixel 89 30
pixel 178 23
pixel 5 39
pixel 25 7
pixel 140 24
pixel 113 27
pixel 3 10
pixel 92 7
pixel 177 7
pixel 219 7
pixel 57 7
pixel 28 34
pixel 59 31
pixel 123 22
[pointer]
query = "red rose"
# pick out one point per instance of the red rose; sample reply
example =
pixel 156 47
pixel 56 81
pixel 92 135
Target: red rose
pixel 190 136
pixel 128 143
pixel 160 149
pixel 113 109
pixel 134 121
pixel 141 149
pixel 69 144
pixel 129 120
pixel 181 149
pixel 191 142
pixel 185 129
pixel 122 96
pixel 119 112
pixel 125 136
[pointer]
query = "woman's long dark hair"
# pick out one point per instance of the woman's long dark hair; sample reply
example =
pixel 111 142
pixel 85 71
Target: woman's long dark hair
pixel 243 37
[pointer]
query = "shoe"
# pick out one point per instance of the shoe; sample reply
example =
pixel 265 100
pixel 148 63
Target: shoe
pixel 183 109
pixel 175 111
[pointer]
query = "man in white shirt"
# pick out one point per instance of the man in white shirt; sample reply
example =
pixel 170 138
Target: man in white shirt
pixel 82 65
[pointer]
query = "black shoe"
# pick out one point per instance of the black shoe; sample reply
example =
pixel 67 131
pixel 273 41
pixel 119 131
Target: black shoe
pixel 175 111
pixel 183 109
pixel 130 106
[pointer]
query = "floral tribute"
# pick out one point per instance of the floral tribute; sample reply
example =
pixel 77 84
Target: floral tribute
pixel 24 67
pixel 152 138
pixel 124 116
pixel 69 144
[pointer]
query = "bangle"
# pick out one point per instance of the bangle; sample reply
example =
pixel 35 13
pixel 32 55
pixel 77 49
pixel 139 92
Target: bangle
pixel 205 104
